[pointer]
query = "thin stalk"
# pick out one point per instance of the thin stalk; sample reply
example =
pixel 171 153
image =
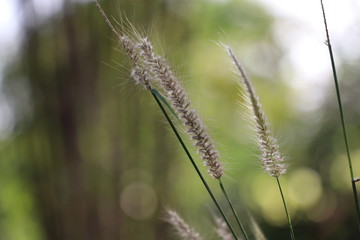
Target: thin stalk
pixel 286 210
pixel 353 179
pixel 194 164
pixel 233 210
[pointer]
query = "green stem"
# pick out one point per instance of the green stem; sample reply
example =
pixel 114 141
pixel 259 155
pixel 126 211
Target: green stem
pixel 353 181
pixel 286 210
pixel 194 164
pixel 232 209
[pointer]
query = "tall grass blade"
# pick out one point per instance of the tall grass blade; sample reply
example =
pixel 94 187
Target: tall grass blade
pixel 158 94
pixel 194 164
pixel 338 95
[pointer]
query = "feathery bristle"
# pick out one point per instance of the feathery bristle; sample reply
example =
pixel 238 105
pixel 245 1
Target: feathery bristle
pixel 181 227
pixel 271 158
pixel 138 72
pixel 181 103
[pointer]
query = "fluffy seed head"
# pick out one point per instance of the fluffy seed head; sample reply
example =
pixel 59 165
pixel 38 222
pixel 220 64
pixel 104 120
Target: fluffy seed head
pixel 181 227
pixel 271 158
pixel 181 103
pixel 146 67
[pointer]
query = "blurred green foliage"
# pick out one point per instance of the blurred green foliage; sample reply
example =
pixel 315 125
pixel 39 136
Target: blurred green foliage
pixel 91 156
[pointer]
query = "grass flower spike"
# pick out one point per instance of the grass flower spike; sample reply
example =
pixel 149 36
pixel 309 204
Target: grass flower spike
pixel 181 103
pixel 181 227
pixel 271 159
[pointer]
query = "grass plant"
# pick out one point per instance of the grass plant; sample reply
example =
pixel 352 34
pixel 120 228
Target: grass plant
pixel 155 75
pixel 148 67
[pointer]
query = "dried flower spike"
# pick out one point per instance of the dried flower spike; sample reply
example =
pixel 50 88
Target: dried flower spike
pixel 271 158
pixel 181 227
pixel 181 103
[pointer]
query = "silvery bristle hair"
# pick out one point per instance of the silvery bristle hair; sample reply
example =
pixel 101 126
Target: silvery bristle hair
pixel 271 158
pixel 138 72
pixel 181 103
pixel 222 230
pixel 181 227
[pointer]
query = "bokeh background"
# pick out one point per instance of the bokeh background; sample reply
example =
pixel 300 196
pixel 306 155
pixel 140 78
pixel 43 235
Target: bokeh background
pixel 86 154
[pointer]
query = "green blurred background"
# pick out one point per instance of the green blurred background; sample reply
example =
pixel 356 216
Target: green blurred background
pixel 86 154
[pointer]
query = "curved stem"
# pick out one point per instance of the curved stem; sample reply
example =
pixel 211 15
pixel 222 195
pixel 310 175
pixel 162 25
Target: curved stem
pixel 233 210
pixel 286 210
pixel 338 95
pixel 194 164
